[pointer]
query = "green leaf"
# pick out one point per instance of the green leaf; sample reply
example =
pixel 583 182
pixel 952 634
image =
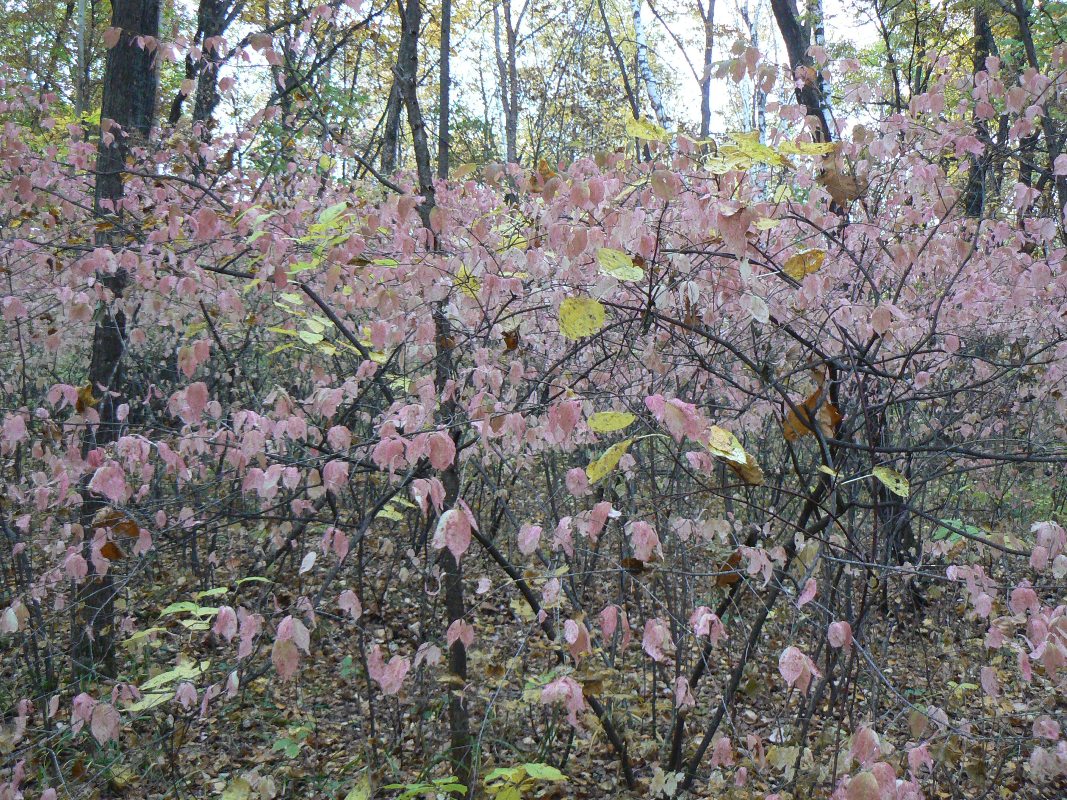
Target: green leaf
pixel 332 213
pixel 182 607
pixel 543 772
pixel 287 746
pixel 151 700
pixel 361 791
pixel 216 592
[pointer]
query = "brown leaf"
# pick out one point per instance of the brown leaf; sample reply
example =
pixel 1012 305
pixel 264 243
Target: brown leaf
pixel 85 399
pixel 511 340
pixel 843 188
pixel 749 472
pixel 825 414
pixel 112 552
pixel 730 570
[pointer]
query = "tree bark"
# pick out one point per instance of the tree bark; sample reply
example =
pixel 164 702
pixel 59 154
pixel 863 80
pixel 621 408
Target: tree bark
pixel 645 67
pixel 978 178
pixel 127 114
pixel 407 71
pixel 797 39
pixel 443 140
pixel 507 67
pixel 708 19
pixel 391 131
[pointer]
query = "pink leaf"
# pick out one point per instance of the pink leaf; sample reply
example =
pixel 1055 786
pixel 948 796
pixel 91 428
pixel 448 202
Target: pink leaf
pixel 705 622
pixel 645 541
pixel 105 723
pixel 577 636
pixel 657 636
pixel 226 623
pixel 1045 727
pixel 285 657
pixel 808 594
pixel 389 676
pixel 865 747
pixel 797 668
pixel 442 450
pixel 863 787
pixel 430 653
pixel 454 532
pixel 292 629
pixel 109 481
pixel 568 692
pixel 349 602
pixel 839 634
pixel 683 696
pixel 529 538
pixel 722 755
pixel 990 684
pixel 460 631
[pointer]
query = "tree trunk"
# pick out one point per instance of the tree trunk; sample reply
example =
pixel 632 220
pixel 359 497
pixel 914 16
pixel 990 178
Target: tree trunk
pixel 461 751
pixel 129 102
pixel 508 70
pixel 391 131
pixel 708 20
pixel 443 141
pixel 407 71
pixel 797 38
pixel 978 178
pixel 645 67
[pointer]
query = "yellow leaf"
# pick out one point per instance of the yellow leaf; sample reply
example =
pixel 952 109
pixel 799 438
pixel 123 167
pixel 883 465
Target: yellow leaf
pixel 725 445
pixel 580 316
pixel 310 337
pixel 893 481
pixel 643 129
pixel 833 473
pixel 609 421
pixel 766 223
pixel 749 471
pixel 800 264
pixel 599 468
pixel 808 148
pixel 239 789
pixel 618 265
pixel 751 146
pixel 467 283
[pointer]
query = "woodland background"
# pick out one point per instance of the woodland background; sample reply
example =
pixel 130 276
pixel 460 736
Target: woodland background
pixel 518 400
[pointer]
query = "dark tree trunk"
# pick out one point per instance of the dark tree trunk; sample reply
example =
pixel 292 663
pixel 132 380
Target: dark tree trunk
pixel 797 38
pixel 443 140
pixel 127 113
pixel 978 179
pixel 407 71
pixel 391 132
